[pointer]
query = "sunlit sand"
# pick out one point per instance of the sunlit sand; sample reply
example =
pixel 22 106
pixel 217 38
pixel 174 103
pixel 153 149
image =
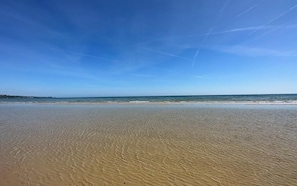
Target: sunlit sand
pixel 148 145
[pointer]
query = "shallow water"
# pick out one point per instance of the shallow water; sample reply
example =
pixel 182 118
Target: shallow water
pixel 147 145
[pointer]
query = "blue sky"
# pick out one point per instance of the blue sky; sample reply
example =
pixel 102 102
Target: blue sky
pixel 147 47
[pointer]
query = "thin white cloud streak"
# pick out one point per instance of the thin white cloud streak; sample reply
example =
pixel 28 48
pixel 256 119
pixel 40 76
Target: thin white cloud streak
pixel 164 53
pixel 234 30
pixel 92 56
pixel 238 30
pixel 277 17
pixel 219 17
pixel 241 29
pixel 201 45
pixel 224 6
pixel 256 51
pixel 33 23
pixel 246 11
pixel 255 28
pixel 272 29
pixel 267 32
pixel 244 29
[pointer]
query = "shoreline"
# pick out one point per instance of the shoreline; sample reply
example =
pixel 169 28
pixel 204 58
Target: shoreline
pixel 159 103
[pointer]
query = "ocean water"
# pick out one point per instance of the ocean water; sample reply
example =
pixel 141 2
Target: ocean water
pixel 139 144
pixel 225 99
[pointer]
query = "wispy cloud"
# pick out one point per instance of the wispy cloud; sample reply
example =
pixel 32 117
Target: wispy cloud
pixel 201 45
pixel 246 11
pixel 256 51
pixel 239 29
pixel 164 53
pixel 27 19
pixel 223 7
pixel 244 29
pixel 92 56
pixel 277 17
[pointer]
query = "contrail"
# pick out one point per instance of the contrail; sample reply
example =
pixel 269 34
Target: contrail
pixel 224 7
pixel 80 54
pixel 201 45
pixel 247 10
pixel 221 12
pixel 164 53
pixel 97 57
pixel 277 17
pixel 197 35
pixel 239 29
pixel 274 28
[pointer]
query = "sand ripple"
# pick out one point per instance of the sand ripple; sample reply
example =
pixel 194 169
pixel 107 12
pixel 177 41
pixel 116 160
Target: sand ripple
pixel 139 145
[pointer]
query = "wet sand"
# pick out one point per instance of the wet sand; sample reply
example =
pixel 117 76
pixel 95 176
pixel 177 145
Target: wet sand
pixel 148 145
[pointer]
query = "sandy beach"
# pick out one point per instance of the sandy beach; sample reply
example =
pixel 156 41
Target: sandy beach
pixel 148 144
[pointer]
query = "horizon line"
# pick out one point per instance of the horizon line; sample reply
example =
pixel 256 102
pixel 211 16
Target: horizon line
pixel 167 95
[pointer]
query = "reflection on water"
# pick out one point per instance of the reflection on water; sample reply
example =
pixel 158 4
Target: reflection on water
pixel 141 145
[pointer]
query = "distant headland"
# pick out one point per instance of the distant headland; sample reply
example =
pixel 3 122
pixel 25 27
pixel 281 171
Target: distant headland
pixel 16 96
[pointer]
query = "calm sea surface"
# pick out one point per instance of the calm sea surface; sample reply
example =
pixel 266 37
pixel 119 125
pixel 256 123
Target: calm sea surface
pixel 248 99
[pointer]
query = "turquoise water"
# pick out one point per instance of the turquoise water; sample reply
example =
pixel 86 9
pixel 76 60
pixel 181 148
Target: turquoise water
pixel 248 99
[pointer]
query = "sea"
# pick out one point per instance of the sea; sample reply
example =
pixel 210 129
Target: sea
pixel 290 99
